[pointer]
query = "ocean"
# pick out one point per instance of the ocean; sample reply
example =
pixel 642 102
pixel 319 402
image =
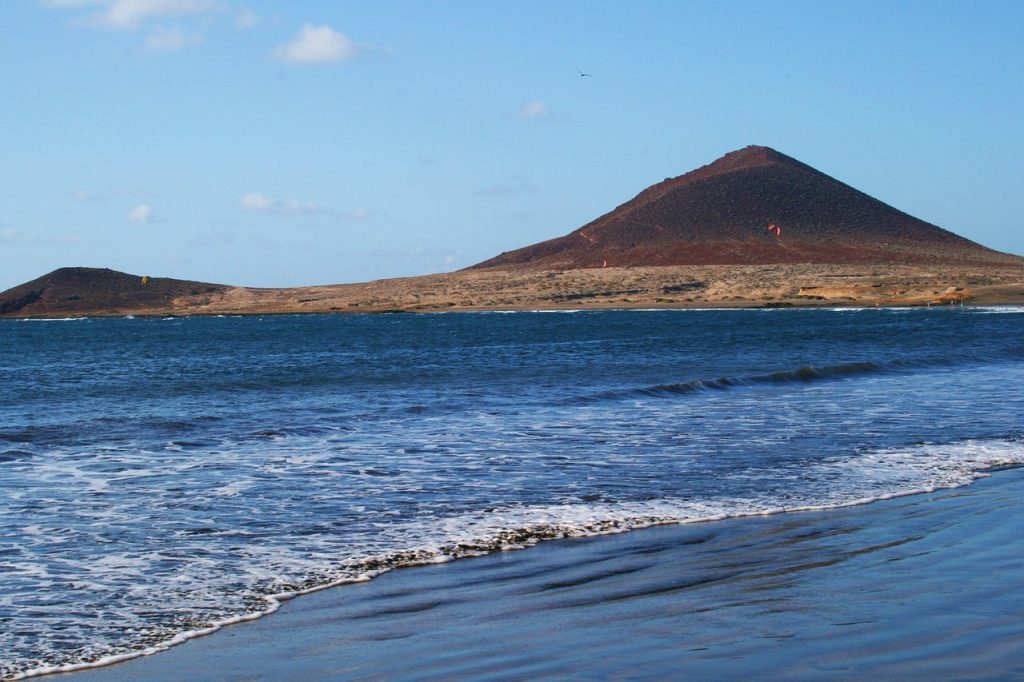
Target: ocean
pixel 160 478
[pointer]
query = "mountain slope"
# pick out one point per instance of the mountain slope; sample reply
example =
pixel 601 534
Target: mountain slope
pixel 720 214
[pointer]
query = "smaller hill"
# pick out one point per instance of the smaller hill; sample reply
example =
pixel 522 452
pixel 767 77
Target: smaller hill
pixel 98 291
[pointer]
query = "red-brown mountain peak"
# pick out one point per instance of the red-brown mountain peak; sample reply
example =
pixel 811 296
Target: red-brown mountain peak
pixel 720 214
pixel 752 156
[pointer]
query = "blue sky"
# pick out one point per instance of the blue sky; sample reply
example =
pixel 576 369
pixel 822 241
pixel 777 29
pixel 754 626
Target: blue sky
pixel 313 142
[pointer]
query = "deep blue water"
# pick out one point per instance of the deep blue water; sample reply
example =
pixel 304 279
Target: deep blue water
pixel 160 475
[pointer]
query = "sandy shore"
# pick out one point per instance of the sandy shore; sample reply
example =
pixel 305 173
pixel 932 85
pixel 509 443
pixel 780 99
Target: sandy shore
pixel 927 585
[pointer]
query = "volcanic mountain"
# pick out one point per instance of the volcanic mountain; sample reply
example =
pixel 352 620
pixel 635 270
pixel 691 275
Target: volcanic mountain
pixel 752 206
pixel 98 291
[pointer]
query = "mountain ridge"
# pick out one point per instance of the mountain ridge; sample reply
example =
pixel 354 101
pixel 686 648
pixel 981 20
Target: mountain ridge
pixel 720 213
pixel 754 227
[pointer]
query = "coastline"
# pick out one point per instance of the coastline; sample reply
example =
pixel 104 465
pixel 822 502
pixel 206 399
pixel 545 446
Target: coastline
pixel 664 287
pixel 920 584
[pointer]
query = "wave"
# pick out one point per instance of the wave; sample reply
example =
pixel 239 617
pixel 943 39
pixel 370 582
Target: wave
pixel 52 319
pixel 996 309
pixel 805 374
pixel 14 455
pixel 866 477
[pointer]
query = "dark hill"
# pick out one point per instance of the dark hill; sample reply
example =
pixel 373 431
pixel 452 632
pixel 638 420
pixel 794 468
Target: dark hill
pixel 97 291
pixel 720 213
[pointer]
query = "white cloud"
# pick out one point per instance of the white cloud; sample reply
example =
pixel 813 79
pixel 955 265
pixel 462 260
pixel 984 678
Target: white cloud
pixel 127 14
pixel 516 186
pixel 130 14
pixel 517 216
pixel 88 195
pixel 295 206
pixel 71 3
pixel 534 110
pixel 14 235
pixel 169 39
pixel 140 215
pixel 261 203
pixel 254 201
pixel 245 18
pixel 317 44
pixel 358 214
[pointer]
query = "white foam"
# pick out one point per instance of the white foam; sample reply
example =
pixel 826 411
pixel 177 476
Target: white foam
pixel 997 309
pixel 938 466
pixel 559 310
pixel 274 601
pixel 311 562
pixel 53 319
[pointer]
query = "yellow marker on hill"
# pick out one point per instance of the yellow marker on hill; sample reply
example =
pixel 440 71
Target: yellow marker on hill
pixel 145 280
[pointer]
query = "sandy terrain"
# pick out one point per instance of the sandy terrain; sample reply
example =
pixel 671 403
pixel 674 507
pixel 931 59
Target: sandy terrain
pixel 638 287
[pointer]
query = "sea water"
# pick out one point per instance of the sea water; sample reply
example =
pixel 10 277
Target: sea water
pixel 162 477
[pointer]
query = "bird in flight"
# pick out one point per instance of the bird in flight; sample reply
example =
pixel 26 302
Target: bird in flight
pixel 584 75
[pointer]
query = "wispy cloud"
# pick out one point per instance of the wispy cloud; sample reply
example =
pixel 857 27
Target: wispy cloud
pixel 8 235
pixel 245 18
pixel 89 196
pixel 256 202
pixel 191 18
pixel 131 14
pixel 170 39
pixel 516 186
pixel 517 216
pixel 172 25
pixel 534 110
pixel 14 235
pixel 72 3
pixel 357 214
pixel 316 45
pixel 261 203
pixel 141 215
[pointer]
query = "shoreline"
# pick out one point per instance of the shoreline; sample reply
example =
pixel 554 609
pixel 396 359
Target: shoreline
pixel 664 287
pixel 205 648
pixel 1010 306
pixel 639 307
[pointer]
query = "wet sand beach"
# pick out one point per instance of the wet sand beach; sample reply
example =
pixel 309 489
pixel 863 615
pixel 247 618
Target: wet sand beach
pixel 927 585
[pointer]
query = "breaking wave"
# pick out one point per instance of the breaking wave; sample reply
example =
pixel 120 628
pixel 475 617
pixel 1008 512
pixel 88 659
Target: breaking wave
pixel 805 374
pixel 863 479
